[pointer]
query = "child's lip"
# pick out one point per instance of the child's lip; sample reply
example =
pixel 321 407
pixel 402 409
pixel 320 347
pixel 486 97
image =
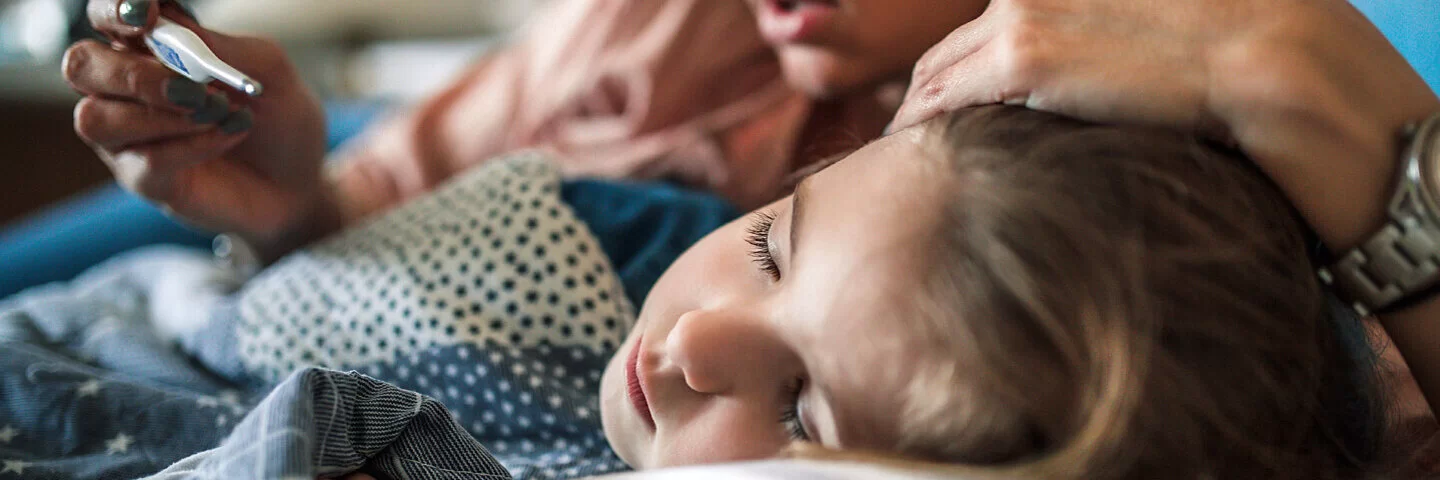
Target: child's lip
pixel 635 385
pixel 798 22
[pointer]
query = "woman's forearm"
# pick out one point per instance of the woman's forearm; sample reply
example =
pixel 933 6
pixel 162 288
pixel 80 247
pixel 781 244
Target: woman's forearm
pixel 1416 334
pixel 1352 207
pixel 1357 213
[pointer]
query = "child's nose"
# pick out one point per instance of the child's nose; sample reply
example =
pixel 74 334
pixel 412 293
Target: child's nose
pixel 720 351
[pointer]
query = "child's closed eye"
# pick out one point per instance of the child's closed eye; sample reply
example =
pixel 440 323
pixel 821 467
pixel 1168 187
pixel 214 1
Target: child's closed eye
pixel 790 411
pixel 758 236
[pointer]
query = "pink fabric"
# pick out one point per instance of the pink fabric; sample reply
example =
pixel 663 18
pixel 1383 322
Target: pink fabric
pixel 677 89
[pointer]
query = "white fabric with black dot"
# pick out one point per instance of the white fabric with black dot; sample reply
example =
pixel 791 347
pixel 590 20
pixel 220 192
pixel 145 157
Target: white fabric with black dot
pixel 493 258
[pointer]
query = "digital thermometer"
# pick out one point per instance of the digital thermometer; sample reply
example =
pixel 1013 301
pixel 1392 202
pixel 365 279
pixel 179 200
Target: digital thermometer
pixel 181 50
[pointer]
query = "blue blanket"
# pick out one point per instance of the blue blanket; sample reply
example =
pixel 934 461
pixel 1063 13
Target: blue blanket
pixel 90 389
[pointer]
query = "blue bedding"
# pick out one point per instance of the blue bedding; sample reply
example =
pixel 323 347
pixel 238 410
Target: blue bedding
pixel 99 380
pixel 90 389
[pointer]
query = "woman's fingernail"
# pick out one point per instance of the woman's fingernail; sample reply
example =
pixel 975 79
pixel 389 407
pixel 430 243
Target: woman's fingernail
pixel 185 93
pixel 135 12
pixel 216 108
pixel 238 122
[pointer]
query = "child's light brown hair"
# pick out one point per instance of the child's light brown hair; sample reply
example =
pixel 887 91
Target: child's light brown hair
pixel 1124 303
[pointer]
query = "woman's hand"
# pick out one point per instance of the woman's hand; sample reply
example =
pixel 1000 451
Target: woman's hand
pixel 1308 88
pixel 208 154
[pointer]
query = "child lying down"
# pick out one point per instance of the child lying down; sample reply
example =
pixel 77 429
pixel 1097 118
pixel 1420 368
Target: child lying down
pixel 1007 293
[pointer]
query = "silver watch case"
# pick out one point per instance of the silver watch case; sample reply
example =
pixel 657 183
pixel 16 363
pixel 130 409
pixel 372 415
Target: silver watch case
pixel 1403 258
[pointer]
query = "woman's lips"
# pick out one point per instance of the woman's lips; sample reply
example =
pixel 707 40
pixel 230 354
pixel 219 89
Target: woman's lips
pixel 635 387
pixel 793 21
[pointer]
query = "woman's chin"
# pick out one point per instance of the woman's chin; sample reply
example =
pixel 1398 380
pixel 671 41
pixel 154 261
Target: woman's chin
pixel 820 73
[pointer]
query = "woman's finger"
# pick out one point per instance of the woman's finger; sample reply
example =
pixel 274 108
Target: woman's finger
pixel 136 174
pixel 959 44
pixel 177 153
pixel 93 68
pixel 155 171
pixel 969 81
pixel 116 124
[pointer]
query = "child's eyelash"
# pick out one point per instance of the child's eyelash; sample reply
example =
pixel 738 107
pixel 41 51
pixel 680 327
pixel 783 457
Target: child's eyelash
pixel 790 412
pixel 758 236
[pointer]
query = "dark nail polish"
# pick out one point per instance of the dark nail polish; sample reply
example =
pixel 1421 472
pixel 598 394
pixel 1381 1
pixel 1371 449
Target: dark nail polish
pixel 238 122
pixel 135 12
pixel 216 108
pixel 185 93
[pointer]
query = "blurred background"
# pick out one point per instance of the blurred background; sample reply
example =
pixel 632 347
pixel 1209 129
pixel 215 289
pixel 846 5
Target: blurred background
pixel 361 55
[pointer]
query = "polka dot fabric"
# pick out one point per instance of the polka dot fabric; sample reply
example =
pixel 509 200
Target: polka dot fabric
pixel 488 295
pixel 493 258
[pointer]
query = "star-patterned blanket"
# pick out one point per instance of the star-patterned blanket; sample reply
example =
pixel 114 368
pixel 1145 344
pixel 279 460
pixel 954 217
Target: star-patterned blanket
pixel 69 421
pixel 88 389
pixel 475 323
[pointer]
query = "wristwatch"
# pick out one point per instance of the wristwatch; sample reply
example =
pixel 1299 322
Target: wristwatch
pixel 1400 264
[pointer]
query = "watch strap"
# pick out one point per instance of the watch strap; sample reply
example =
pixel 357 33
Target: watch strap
pixel 1399 264
pixel 1398 261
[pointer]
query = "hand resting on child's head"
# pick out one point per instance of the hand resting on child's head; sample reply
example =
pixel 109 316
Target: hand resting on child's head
pixel 999 288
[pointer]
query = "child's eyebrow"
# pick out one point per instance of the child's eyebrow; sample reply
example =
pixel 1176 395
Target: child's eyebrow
pixel 794 180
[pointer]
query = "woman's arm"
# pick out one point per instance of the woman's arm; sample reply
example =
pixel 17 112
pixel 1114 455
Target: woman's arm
pixel 1308 88
pixel 611 85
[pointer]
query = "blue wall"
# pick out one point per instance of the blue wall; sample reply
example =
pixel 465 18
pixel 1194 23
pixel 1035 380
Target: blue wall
pixel 1414 27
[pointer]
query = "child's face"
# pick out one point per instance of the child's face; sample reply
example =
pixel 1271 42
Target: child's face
pixel 726 337
pixel 830 46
